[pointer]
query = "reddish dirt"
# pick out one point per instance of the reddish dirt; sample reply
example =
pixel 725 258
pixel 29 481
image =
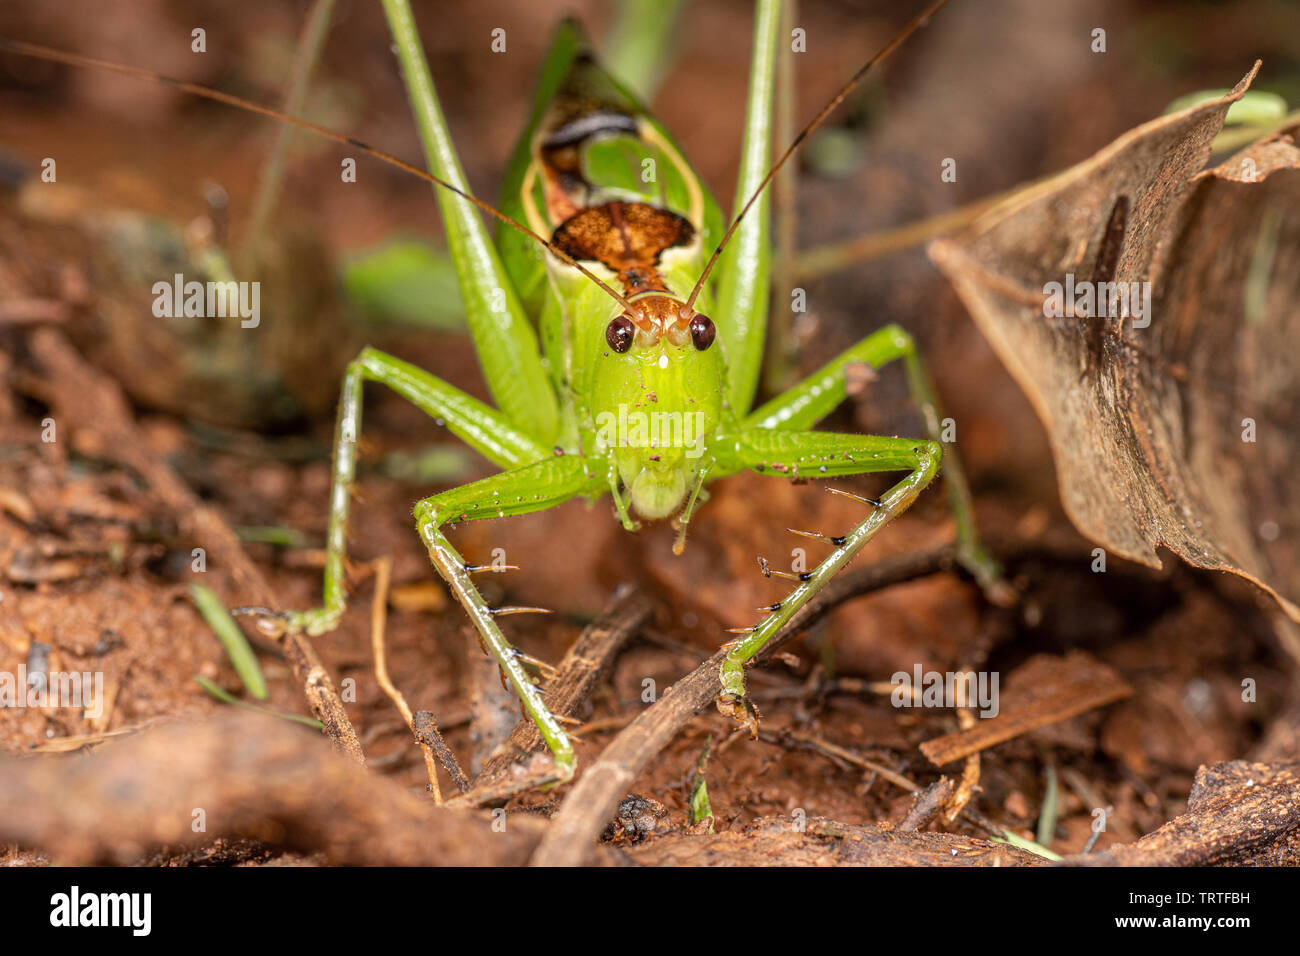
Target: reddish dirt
pixel 94 565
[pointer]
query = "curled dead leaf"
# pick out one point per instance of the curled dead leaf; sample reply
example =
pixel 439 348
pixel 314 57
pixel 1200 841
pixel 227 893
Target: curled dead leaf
pixel 1173 416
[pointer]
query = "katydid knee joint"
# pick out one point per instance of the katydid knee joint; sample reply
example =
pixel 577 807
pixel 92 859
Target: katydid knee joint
pixel 427 517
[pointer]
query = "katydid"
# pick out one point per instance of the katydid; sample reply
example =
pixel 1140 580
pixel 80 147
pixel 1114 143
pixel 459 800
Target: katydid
pixel 613 295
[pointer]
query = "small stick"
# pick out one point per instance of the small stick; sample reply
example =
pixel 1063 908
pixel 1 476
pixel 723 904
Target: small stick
pixel 584 664
pixel 62 745
pixel 378 627
pixel 1092 800
pixel 970 775
pixel 835 754
pixel 928 804
pixel 426 732
pixel 787 738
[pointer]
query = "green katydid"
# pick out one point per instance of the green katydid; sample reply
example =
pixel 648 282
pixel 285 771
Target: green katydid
pixel 592 309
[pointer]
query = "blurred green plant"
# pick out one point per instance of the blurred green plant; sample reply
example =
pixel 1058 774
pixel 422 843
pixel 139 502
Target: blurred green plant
pixel 640 47
pixel 1255 107
pixel 1257 114
pixel 406 281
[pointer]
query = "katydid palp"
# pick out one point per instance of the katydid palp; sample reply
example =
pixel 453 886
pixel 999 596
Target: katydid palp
pixel 620 330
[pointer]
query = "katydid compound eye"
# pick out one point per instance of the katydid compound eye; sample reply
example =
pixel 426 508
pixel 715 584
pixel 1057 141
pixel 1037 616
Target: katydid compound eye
pixel 619 333
pixel 703 331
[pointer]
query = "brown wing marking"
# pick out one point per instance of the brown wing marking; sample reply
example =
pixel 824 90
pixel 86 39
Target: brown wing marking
pixel 627 237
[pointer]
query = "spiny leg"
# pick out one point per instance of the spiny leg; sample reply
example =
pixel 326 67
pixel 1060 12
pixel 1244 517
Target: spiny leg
pixel 533 487
pixel 479 426
pixel 817 396
pixel 823 454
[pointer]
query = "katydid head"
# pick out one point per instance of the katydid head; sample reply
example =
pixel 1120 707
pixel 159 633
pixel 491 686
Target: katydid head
pixel 651 316
pixel 656 399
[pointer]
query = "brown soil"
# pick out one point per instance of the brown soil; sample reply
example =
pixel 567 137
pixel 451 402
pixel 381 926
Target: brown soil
pixel 96 545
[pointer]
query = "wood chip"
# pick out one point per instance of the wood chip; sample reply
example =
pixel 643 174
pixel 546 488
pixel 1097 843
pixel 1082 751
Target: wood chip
pixel 1047 690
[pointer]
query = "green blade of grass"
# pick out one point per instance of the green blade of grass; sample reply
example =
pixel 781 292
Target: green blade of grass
pixel 227 698
pixel 1254 108
pixel 232 639
pixel 273 535
pixel 1047 815
pixel 700 807
pixel 1035 848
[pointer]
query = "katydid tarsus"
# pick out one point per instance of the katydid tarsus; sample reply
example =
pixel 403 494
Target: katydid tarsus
pixel 613 296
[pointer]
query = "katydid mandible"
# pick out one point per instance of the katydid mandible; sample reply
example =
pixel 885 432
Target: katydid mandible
pixel 611 296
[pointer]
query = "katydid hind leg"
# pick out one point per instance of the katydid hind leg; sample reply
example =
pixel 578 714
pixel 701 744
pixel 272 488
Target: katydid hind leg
pixel 742 287
pixel 504 338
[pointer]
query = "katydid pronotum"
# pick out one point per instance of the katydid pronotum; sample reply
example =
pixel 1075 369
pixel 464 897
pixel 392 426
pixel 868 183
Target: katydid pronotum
pixel 593 308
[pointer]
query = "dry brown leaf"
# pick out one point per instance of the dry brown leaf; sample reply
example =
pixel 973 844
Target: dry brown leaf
pixel 1147 423
pixel 1043 691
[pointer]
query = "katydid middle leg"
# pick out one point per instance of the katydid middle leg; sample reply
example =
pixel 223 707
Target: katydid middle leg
pixel 535 479
pixel 806 403
pixel 479 426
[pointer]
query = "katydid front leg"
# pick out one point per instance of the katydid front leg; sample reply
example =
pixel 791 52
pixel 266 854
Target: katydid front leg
pixel 533 487
pixel 815 397
pixel 820 454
